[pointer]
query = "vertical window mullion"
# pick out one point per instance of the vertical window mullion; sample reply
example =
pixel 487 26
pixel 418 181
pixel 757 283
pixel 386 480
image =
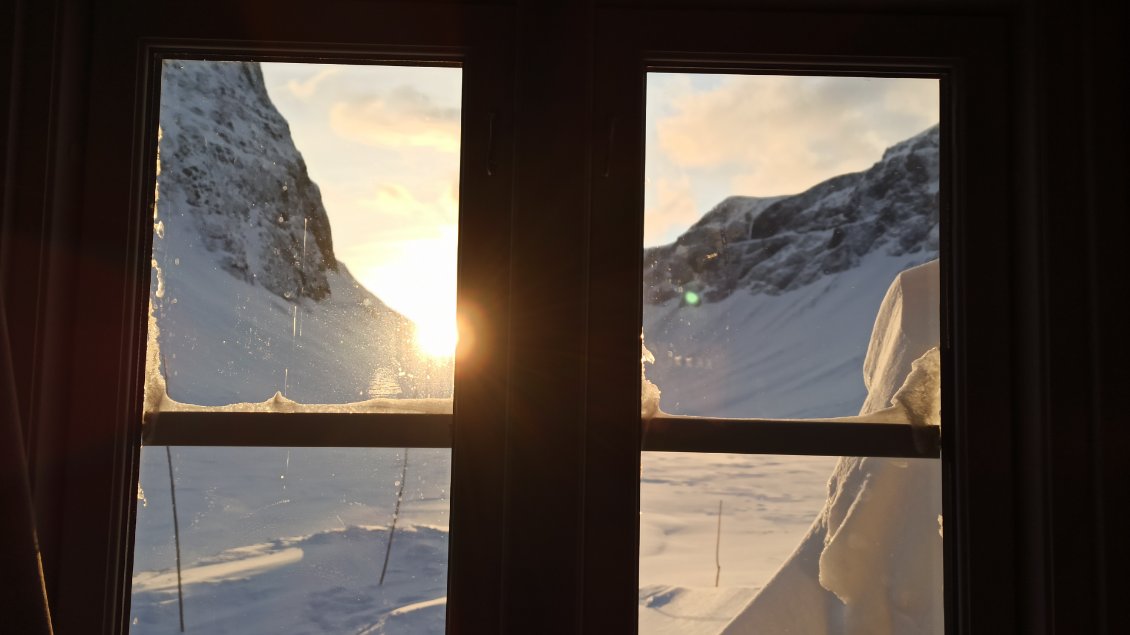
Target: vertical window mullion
pixel 479 426
pixel 544 493
pixel 612 467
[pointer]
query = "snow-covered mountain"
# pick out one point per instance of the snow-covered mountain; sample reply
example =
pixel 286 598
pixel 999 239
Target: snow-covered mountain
pixel 247 293
pixel 228 164
pixel 773 245
pixel 785 290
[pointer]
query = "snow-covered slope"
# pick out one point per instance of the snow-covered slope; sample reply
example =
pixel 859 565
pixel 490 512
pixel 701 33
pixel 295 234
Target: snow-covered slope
pixel 291 540
pixel 788 289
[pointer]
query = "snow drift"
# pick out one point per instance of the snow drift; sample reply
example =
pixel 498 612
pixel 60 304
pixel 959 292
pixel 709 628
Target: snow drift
pixel 872 561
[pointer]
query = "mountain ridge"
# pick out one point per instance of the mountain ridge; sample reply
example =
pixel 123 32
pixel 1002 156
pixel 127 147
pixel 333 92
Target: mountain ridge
pixel 247 293
pixel 778 244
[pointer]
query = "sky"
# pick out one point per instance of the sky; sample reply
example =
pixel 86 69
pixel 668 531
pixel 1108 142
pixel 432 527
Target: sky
pixel 712 136
pixel 382 143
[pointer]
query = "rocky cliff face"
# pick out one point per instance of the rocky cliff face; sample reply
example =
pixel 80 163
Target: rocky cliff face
pixel 781 244
pixel 247 294
pixel 229 164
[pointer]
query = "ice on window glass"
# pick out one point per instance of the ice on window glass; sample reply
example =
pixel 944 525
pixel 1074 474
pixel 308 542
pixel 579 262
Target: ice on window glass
pixel 791 271
pixel 778 212
pixel 291 540
pixel 304 238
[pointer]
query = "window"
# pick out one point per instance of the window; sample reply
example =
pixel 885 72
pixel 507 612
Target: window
pixel 406 39
pixel 814 300
pixel 729 43
pixel 311 288
pixel 546 434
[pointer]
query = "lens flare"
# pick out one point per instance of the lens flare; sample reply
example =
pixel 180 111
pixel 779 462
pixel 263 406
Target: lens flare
pixel 437 338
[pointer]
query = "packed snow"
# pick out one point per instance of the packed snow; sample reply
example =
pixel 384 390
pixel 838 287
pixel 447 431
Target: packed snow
pixel 872 560
pixel 294 540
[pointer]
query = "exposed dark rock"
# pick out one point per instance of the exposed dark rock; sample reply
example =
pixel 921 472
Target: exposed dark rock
pixel 779 244
pixel 229 163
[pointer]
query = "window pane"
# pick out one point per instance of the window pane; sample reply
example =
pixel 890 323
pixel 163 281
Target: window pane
pixel 256 301
pixel 791 271
pixel 779 210
pixel 305 234
pixel 292 540
pixel 796 551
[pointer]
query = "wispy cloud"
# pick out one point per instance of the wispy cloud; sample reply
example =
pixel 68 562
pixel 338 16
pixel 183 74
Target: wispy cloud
pixel 780 135
pixel 764 135
pixel 672 206
pixel 306 88
pixel 397 203
pixel 401 117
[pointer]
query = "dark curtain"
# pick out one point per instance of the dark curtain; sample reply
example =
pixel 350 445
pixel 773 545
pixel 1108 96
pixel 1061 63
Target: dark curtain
pixel 25 608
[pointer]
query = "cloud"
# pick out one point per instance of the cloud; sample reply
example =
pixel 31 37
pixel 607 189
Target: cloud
pixel 304 89
pixel 780 135
pixel 670 208
pixel 412 212
pixel 393 199
pixel 403 117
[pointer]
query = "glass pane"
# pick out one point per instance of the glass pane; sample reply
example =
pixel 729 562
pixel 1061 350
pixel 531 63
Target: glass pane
pixel 791 271
pixel 271 178
pixel 305 235
pixel 792 551
pixel 291 540
pixel 778 212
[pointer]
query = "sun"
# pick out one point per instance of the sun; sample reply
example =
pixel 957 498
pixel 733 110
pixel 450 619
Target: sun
pixel 416 277
pixel 437 337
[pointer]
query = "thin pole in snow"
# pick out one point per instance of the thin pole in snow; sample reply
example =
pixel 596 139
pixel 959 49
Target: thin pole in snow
pixel 395 515
pixel 176 535
pixel 718 548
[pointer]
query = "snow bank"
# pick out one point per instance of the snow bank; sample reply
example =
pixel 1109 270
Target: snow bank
pixel 279 403
pixel 670 610
pixel 649 392
pixel 872 561
pixel 326 582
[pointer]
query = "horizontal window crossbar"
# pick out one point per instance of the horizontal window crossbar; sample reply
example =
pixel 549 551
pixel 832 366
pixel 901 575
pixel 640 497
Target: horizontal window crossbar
pixel 774 436
pixel 298 429
pixel 663 433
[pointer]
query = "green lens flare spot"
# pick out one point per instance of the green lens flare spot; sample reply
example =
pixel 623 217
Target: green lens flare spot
pixel 691 298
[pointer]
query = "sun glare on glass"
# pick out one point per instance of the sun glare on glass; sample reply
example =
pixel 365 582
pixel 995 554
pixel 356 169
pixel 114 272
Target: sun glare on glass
pixel 438 337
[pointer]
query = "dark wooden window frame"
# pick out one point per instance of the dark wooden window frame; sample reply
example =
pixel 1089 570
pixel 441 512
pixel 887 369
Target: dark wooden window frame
pixel 119 181
pixel 489 430
pixel 967 55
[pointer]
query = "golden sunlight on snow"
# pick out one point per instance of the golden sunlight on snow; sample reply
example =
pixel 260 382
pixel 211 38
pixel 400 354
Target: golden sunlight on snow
pixel 416 277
